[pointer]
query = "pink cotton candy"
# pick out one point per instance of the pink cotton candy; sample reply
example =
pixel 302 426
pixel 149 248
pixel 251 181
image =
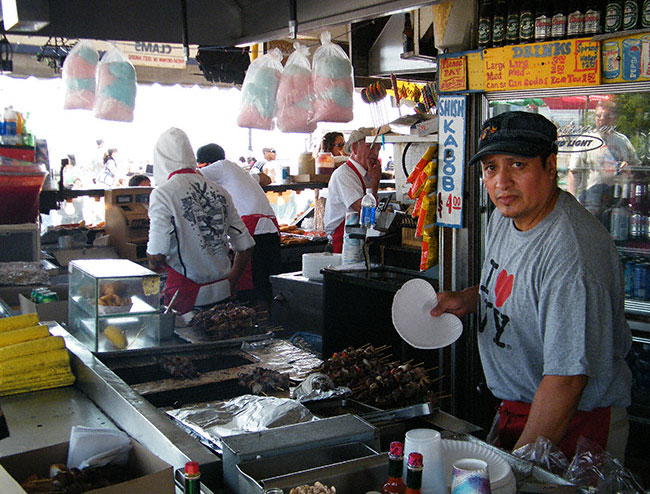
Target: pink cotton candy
pixel 77 67
pixel 328 95
pixel 250 117
pixel 294 103
pixel 112 109
pixel 78 100
pixel 328 111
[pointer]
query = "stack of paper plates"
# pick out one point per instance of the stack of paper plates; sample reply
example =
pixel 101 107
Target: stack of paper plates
pixel 411 306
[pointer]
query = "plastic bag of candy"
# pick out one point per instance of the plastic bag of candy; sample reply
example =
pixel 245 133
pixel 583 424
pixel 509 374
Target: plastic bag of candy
pixel 294 96
pixel 332 81
pixel 116 87
pixel 79 76
pixel 258 98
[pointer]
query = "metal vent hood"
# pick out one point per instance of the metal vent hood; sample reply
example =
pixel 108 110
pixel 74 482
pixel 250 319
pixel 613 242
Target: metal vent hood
pixel 385 56
pixel 209 22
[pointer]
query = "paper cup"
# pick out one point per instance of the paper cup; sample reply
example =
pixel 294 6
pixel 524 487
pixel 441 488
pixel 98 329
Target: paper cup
pixel 470 476
pixel 428 443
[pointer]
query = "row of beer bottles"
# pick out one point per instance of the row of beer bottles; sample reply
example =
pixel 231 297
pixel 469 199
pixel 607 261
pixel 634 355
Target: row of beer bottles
pixel 503 22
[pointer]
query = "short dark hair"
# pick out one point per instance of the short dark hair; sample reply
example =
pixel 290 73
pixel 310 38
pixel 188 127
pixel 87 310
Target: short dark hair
pixel 136 180
pixel 210 153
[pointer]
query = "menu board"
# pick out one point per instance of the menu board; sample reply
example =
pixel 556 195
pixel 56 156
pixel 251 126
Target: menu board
pixel 553 64
pixel 626 59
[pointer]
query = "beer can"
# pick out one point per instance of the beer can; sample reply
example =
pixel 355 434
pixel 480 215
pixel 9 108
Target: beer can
pixel 631 59
pixel 49 296
pixel 628 276
pixel 641 275
pixel 611 59
pixel 619 225
pixel 636 226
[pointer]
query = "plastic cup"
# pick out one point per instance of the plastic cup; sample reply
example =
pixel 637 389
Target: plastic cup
pixel 428 443
pixel 470 476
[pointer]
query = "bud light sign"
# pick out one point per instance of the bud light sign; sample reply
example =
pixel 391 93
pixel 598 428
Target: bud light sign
pixel 451 160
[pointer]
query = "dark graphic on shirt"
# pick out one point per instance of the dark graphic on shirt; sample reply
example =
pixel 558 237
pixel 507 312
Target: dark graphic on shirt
pixel 205 209
pixel 502 290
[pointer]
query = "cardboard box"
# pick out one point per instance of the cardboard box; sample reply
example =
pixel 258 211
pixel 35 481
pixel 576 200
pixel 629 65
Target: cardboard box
pixel 52 311
pixel 154 475
pixel 409 239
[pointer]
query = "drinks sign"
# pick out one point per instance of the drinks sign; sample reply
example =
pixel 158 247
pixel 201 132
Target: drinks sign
pixel 451 160
pixel 564 63
pixel 626 59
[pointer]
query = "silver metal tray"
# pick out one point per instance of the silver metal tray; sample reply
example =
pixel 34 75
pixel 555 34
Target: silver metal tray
pixel 256 475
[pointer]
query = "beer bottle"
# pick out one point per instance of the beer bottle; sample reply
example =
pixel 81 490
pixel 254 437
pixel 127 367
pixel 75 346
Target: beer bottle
pixel 512 23
pixel 407 34
pixel 613 16
pixel 593 20
pixel 395 483
pixel 645 14
pixel 526 22
pixel 558 21
pixel 630 14
pixel 485 24
pixel 542 22
pixel 575 25
pixel 414 474
pixel 499 23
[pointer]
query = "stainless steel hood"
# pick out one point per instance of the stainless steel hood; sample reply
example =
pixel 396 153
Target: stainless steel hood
pixel 209 22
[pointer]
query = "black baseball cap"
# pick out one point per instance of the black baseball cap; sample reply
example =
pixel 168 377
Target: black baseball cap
pixel 210 153
pixel 518 133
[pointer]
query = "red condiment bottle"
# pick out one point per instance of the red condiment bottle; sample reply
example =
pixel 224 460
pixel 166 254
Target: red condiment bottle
pixel 414 474
pixel 395 484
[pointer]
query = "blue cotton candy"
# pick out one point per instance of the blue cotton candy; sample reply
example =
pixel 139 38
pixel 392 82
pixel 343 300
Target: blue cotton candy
pixel 88 54
pixel 334 67
pixel 122 70
pixel 338 95
pixel 80 84
pixel 261 91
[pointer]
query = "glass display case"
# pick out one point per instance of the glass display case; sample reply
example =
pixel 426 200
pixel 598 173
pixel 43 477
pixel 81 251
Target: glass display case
pixel 113 304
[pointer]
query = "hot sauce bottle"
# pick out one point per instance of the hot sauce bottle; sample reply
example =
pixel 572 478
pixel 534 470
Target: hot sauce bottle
pixel 395 484
pixel 414 474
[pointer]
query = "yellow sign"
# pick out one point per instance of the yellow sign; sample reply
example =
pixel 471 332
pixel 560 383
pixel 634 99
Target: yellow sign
pixel 452 74
pixel 626 59
pixel 408 90
pixel 475 71
pixel 542 65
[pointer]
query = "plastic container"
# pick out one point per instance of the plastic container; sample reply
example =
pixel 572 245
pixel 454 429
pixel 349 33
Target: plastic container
pixel 19 190
pixel 325 164
pixel 306 164
pixel 10 121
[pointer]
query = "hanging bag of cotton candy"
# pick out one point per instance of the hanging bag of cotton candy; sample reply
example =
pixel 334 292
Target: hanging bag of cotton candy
pixel 332 82
pixel 258 95
pixel 294 97
pixel 116 87
pixel 79 76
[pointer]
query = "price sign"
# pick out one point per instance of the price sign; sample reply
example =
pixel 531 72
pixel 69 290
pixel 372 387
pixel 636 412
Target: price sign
pixel 451 160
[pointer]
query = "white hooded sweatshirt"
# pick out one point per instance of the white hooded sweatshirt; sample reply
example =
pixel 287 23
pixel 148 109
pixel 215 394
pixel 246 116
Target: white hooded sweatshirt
pixel 192 219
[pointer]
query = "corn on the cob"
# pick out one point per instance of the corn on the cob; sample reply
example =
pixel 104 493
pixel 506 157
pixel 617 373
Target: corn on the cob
pixel 31 347
pixel 36 375
pixel 35 385
pixel 18 322
pixel 25 334
pixel 33 362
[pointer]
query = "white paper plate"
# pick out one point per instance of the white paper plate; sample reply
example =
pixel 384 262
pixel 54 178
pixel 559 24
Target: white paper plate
pixel 412 320
pixel 502 480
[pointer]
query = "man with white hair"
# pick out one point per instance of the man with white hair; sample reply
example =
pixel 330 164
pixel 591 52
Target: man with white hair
pixel 349 182
pixel 193 225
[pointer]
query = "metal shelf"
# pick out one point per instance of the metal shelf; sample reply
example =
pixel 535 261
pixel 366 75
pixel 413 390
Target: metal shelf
pixel 399 138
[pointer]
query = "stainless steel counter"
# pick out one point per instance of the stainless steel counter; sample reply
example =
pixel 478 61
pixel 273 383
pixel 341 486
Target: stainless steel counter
pixel 99 399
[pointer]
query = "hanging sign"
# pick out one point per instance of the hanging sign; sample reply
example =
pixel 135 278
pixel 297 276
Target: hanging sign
pixel 626 59
pixel 452 74
pixel 451 160
pixel 565 63
pixel 168 55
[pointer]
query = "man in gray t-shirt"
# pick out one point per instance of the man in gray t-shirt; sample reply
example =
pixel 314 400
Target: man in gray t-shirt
pixel 552 335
